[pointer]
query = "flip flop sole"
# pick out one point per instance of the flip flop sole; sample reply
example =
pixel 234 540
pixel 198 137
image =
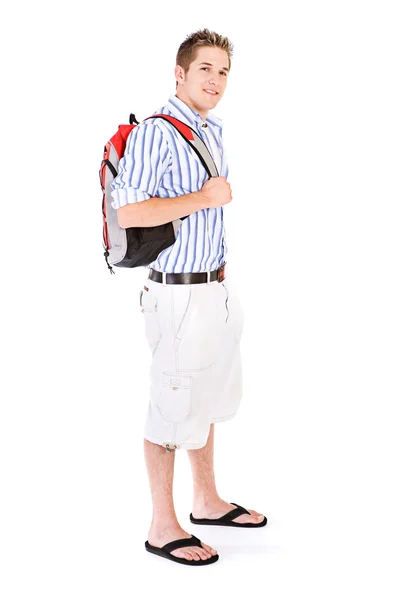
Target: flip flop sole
pixel 183 561
pixel 223 524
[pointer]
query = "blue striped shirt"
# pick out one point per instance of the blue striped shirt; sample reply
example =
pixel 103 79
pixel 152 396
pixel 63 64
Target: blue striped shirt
pixel 159 162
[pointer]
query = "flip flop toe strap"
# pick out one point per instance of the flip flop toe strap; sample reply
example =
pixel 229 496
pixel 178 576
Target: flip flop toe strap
pixel 233 514
pixel 182 543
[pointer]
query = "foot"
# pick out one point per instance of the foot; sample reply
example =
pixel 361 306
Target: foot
pixel 218 508
pixel 161 537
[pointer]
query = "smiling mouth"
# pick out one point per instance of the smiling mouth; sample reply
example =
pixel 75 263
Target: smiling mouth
pixel 211 93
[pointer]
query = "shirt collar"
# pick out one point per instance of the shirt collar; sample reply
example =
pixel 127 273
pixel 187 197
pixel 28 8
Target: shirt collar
pixel 185 113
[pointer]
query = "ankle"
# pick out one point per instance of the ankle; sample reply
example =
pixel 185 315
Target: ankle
pixel 203 499
pixel 161 528
pixel 164 516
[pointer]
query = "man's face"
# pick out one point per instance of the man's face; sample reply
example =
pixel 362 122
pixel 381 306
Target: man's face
pixel 209 71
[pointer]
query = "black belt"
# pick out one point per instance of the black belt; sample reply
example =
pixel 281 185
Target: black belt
pixel 218 275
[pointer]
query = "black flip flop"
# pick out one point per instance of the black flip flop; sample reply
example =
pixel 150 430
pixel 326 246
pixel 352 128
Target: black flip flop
pixel 227 519
pixel 181 543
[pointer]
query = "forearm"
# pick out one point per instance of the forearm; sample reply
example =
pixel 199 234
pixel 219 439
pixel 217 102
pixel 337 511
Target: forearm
pixel 157 211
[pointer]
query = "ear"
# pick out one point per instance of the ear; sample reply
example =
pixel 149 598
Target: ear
pixel 179 74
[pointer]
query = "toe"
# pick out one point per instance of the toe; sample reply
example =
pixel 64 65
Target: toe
pixel 259 518
pixel 194 552
pixel 253 518
pixel 182 553
pixel 208 549
pixel 256 514
pixel 204 555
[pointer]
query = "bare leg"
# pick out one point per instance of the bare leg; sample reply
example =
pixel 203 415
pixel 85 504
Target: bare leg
pixel 165 526
pixel 207 502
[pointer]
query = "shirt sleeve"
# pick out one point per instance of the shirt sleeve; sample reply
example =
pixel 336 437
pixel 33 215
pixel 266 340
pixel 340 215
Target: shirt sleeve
pixel 147 157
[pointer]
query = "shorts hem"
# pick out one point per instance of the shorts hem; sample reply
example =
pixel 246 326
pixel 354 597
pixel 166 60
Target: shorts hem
pixel 185 446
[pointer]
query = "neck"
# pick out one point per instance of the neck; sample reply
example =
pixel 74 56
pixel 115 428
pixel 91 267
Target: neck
pixel 203 114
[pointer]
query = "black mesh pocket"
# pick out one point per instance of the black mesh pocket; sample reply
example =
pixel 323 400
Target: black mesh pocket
pixel 144 244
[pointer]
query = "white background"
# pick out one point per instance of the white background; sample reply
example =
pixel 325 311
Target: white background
pixel 313 126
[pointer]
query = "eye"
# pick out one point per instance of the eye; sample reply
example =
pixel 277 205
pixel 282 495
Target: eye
pixel 222 72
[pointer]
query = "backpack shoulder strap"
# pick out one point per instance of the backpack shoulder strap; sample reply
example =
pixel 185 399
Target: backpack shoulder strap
pixel 194 140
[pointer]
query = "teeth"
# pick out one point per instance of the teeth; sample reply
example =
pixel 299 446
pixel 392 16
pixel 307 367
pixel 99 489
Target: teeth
pixel 211 92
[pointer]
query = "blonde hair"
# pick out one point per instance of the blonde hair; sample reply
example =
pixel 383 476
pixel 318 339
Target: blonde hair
pixel 203 37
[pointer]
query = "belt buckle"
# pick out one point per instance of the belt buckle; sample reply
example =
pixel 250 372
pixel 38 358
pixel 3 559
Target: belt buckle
pixel 220 273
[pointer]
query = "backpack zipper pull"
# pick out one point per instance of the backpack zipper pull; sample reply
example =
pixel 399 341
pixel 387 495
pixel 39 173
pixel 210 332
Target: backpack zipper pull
pixel 106 254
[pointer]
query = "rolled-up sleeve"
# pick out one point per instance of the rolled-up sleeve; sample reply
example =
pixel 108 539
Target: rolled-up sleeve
pixel 147 157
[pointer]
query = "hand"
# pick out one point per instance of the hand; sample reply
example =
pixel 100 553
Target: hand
pixel 215 192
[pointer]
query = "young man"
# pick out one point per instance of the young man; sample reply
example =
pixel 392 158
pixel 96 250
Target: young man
pixel 193 320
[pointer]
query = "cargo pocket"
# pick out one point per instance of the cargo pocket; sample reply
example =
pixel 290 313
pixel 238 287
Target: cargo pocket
pixel 148 304
pixel 174 400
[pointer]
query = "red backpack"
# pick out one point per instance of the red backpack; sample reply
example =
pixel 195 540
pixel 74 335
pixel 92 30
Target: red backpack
pixel 139 246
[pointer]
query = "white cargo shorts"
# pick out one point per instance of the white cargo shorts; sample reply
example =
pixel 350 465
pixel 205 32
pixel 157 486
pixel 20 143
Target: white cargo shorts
pixel 194 333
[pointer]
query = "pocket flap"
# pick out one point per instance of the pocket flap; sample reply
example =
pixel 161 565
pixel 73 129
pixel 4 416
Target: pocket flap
pixel 174 381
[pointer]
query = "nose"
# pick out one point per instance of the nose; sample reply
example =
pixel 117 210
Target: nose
pixel 213 81
pixel 212 85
